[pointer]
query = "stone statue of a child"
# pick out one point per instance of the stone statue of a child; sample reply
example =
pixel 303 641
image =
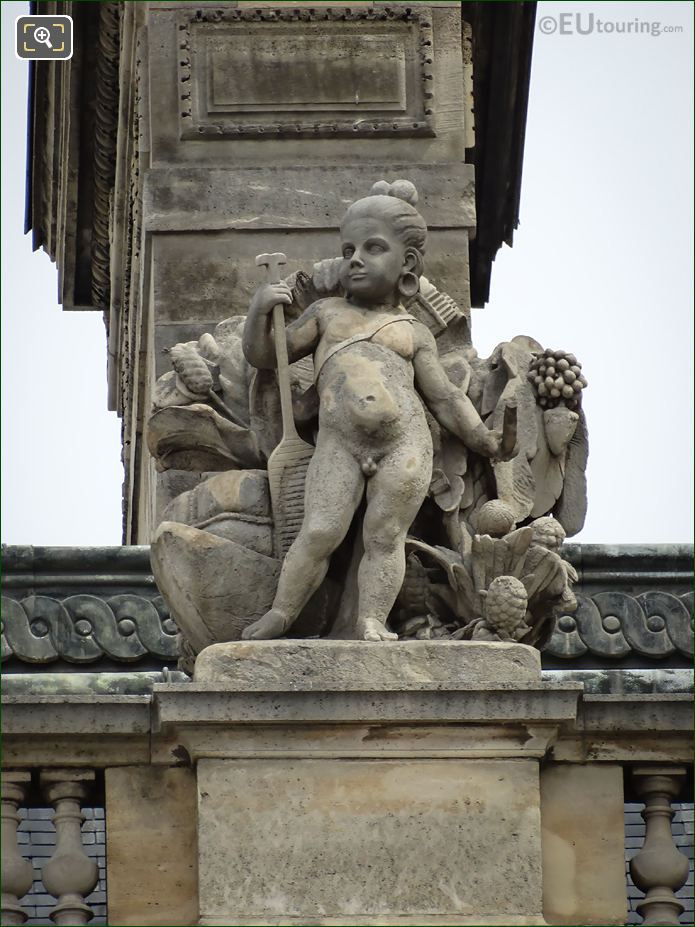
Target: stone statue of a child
pixel 374 367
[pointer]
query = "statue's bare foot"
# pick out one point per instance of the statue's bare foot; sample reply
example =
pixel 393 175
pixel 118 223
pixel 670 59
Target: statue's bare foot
pixel 273 624
pixel 369 629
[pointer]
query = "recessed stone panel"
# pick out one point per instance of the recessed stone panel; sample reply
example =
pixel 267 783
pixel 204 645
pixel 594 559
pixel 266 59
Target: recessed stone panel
pixel 360 840
pixel 329 71
pixel 364 73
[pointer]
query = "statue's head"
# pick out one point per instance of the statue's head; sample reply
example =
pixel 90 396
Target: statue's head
pixel 548 532
pixel 383 238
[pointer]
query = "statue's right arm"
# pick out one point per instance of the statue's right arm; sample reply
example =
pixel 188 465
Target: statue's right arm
pixel 258 343
pixel 257 340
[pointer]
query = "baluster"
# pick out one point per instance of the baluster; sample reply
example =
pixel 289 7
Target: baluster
pixel 69 874
pixel 659 869
pixel 17 872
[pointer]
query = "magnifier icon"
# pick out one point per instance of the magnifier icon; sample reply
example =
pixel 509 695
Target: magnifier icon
pixel 43 35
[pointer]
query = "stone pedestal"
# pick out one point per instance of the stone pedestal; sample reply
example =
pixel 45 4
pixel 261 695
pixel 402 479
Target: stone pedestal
pixel 345 782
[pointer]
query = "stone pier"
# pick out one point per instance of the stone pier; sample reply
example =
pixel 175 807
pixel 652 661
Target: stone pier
pixel 346 782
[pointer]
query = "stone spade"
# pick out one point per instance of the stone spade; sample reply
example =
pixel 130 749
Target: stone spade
pixel 288 463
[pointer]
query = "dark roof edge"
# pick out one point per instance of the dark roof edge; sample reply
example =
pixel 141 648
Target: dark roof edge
pixel 652 558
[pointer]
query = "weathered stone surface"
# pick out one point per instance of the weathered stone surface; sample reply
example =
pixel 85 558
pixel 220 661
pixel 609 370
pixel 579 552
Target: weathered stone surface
pixel 52 684
pixel 433 920
pixel 358 840
pixel 217 586
pixel 271 666
pixel 625 681
pixel 300 198
pixel 583 836
pixel 75 714
pixel 151 846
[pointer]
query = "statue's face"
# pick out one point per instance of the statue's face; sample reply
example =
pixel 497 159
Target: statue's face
pixel 374 259
pixel 549 539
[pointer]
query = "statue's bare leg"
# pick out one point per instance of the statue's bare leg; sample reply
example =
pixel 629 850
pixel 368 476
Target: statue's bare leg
pixel 394 496
pixel 334 489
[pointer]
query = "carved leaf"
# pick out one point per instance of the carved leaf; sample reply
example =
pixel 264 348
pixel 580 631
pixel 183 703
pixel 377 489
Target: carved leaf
pixel 548 475
pixel 515 479
pixel 501 556
pixel 468 602
pixel 195 437
pixel 570 510
pixel 482 555
pixel 442 555
pixel 518 543
pixel 494 387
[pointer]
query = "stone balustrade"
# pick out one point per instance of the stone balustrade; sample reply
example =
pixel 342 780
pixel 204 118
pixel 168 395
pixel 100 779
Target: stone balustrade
pixel 16 871
pixel 659 869
pixel 69 875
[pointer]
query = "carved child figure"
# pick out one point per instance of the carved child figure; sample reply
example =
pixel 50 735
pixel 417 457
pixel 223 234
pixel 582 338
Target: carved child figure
pixel 374 367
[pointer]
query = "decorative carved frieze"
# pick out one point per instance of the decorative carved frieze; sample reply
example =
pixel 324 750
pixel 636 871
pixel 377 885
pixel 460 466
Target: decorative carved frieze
pixel 86 628
pixel 615 624
pixel 81 605
pixel 329 71
pixel 105 129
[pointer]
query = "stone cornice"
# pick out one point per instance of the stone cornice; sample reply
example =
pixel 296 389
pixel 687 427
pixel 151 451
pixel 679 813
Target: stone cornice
pixel 181 722
pixel 105 132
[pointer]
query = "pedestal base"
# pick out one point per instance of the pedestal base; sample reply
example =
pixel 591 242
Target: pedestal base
pixel 357 783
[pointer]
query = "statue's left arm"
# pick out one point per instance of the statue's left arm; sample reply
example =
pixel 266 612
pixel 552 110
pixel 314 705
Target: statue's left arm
pixel 449 405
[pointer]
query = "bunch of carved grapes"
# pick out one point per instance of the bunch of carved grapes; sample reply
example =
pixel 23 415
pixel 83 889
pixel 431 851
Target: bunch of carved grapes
pixel 557 378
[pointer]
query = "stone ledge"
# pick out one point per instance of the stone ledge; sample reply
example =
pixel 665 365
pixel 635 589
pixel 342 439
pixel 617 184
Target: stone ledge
pixel 356 741
pixel 369 920
pixel 98 715
pixel 186 198
pixel 359 666
pixel 196 705
pixel 667 711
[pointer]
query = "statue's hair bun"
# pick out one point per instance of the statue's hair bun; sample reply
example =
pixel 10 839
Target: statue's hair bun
pixel 401 189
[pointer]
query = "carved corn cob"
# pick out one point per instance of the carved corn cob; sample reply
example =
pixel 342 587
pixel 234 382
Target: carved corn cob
pixel 505 605
pixel 192 369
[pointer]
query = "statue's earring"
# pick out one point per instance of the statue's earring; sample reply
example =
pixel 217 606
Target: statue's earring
pixel 408 284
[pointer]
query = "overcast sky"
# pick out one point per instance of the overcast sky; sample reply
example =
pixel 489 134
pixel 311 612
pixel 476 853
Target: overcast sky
pixel 601 266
